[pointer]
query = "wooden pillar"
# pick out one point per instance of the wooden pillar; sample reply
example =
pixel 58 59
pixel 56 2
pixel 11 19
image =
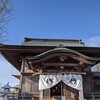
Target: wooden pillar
pixel 81 97
pixel 21 76
pixel 41 95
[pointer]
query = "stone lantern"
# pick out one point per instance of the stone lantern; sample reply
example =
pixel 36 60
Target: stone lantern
pixel 6 91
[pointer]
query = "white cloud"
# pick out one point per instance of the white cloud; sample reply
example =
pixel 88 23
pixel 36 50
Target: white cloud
pixel 93 41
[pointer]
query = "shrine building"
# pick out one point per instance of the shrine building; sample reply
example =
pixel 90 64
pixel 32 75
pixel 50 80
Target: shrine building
pixel 56 69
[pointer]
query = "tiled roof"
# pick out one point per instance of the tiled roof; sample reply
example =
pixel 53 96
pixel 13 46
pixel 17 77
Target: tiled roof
pixel 52 42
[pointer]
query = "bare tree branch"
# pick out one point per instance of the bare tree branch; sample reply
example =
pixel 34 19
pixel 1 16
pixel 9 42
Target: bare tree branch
pixel 4 5
pixel 5 17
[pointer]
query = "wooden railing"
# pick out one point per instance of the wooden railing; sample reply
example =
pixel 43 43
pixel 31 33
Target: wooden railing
pixel 17 96
pixel 20 97
pixel 55 98
pixel 48 98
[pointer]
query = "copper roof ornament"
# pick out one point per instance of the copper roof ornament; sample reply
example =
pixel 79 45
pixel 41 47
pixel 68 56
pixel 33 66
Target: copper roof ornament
pixel 61 46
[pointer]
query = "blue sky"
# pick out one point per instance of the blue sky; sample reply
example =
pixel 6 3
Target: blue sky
pixel 57 19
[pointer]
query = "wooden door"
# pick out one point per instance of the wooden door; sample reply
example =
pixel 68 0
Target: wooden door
pixel 56 90
pixel 70 93
pixel 62 89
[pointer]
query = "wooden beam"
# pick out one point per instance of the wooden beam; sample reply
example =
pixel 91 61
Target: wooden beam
pixel 61 64
pixel 48 73
pixel 17 76
pixel 86 61
pixel 27 73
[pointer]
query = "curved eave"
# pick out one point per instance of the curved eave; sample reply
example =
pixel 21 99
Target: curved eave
pixel 60 51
